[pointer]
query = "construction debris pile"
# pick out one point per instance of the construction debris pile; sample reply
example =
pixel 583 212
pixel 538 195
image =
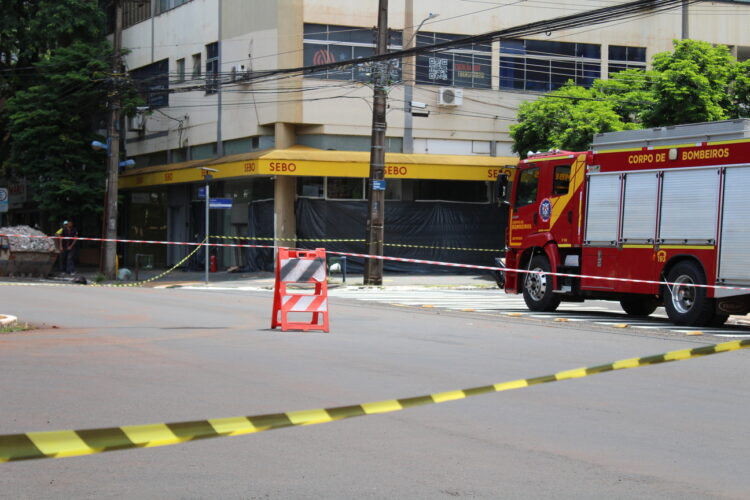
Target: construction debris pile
pixel 38 243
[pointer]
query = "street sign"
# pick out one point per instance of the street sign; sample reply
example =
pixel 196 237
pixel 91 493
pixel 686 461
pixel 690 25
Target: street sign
pixel 3 200
pixel 378 185
pixel 220 203
pixel 202 193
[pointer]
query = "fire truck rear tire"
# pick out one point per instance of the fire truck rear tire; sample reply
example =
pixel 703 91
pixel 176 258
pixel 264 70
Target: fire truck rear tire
pixel 639 305
pixel 688 305
pixel 537 288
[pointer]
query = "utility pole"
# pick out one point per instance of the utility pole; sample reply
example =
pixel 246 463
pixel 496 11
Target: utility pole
pixel 685 20
pixel 376 185
pixel 113 143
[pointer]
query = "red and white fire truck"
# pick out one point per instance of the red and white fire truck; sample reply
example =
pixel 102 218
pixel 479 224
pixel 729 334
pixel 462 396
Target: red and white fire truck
pixel 665 205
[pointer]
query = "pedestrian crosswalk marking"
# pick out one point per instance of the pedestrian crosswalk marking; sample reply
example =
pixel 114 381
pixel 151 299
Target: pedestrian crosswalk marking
pixel 492 301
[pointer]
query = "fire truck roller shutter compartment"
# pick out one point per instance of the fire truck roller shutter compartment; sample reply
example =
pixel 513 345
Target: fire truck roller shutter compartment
pixel 734 259
pixel 690 201
pixel 639 208
pixel 602 209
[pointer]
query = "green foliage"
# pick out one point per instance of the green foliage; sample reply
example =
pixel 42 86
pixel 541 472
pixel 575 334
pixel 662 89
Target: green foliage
pixel 694 83
pixel 691 84
pixel 55 83
pixel 564 119
pixel 51 123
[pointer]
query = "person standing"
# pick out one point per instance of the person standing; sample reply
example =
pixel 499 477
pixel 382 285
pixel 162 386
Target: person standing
pixel 59 247
pixel 68 246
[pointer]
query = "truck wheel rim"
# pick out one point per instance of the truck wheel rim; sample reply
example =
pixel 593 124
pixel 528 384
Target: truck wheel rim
pixel 683 297
pixel 536 284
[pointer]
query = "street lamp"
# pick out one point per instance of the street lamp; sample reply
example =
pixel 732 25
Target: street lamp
pixel 207 177
pixel 409 89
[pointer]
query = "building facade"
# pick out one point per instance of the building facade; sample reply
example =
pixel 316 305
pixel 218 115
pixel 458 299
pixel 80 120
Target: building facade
pixel 289 150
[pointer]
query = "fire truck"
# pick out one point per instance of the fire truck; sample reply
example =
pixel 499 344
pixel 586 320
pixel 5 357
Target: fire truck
pixel 660 210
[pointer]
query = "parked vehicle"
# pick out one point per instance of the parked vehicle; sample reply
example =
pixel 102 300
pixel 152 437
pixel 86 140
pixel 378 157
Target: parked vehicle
pixel 667 206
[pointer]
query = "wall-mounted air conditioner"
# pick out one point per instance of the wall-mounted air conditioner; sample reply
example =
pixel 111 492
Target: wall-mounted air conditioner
pixel 448 96
pixel 137 122
pixel 239 72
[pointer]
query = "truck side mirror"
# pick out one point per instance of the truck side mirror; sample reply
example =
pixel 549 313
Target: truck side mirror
pixel 502 191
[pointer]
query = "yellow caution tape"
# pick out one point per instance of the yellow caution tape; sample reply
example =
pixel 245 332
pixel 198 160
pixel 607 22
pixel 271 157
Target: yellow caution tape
pixel 161 275
pixel 118 285
pixel 331 240
pixel 59 444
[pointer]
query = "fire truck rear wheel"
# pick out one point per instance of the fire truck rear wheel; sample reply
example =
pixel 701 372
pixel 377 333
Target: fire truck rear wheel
pixel 537 288
pixel 685 304
pixel 640 305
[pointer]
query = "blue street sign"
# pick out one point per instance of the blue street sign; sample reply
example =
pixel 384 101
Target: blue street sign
pixel 220 203
pixel 202 193
pixel 378 185
pixel 3 200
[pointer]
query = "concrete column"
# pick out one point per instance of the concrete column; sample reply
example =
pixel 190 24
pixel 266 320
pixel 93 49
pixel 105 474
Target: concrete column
pixel 285 191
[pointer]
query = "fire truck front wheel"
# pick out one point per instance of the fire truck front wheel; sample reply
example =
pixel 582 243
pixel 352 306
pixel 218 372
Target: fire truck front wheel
pixel 687 304
pixel 537 288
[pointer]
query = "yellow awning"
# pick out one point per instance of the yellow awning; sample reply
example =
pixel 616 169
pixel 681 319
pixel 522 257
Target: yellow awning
pixel 310 162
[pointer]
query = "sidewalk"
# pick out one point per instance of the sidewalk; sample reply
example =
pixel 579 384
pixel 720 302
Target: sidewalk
pixel 266 279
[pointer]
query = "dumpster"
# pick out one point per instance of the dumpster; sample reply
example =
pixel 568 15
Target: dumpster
pixel 22 256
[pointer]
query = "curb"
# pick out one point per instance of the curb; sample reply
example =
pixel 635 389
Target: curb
pixel 7 320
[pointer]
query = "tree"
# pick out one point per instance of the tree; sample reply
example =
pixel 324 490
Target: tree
pixel 696 82
pixel 51 126
pixel 565 119
pixel 54 87
pixel 691 84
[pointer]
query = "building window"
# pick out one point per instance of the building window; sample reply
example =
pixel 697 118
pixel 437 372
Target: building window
pixel 622 58
pixel 459 191
pixel 327 44
pixel 212 67
pixel 542 66
pixel 345 188
pixel 311 187
pixel 180 70
pixel 196 66
pixel 132 13
pixel 463 66
pixel 165 5
pixel 152 82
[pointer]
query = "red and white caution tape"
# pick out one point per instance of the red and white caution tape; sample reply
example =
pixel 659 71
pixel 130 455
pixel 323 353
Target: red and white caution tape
pixel 400 259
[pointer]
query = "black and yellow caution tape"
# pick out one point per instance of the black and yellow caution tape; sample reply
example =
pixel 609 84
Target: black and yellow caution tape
pixel 60 444
pixel 270 238
pixel 158 276
pixel 113 285
pixel 332 240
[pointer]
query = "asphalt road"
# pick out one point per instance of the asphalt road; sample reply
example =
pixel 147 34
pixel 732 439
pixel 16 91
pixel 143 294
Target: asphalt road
pixel 111 357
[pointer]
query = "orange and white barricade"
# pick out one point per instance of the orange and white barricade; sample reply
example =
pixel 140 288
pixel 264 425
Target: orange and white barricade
pixel 300 266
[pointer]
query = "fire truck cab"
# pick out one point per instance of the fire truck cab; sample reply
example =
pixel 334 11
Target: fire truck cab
pixel 640 219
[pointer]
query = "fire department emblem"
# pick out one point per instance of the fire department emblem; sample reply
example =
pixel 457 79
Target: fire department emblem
pixel 545 210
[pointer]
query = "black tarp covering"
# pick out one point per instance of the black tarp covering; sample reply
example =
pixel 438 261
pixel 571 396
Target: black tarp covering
pixel 260 224
pixel 430 224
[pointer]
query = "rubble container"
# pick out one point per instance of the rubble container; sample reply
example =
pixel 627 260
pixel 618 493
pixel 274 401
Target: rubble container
pixel 24 262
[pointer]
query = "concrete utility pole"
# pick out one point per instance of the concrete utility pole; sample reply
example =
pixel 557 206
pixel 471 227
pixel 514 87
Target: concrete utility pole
pixel 685 20
pixel 376 185
pixel 113 143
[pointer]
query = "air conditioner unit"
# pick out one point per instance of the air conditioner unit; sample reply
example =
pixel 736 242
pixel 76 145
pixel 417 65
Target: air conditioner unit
pixel 448 96
pixel 238 72
pixel 137 122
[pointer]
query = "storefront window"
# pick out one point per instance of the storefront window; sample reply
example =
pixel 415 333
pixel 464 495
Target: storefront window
pixel 328 44
pixel 311 187
pixel 461 191
pixel 542 66
pixel 345 188
pixel 464 66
